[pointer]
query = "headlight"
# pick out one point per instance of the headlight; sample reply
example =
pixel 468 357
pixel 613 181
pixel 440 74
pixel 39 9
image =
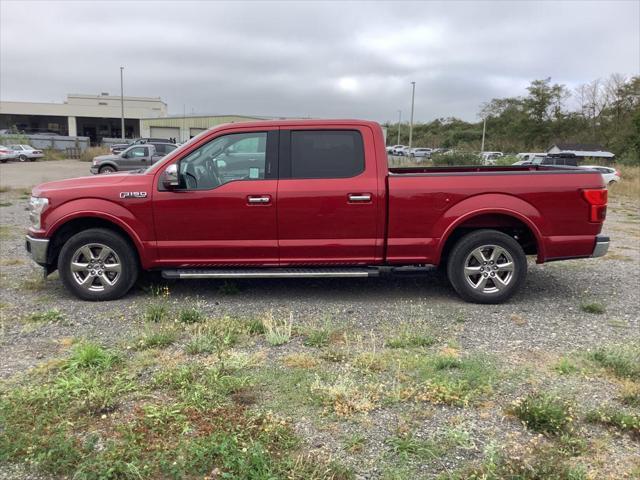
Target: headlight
pixel 37 205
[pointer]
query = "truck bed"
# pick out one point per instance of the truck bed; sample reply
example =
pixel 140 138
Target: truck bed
pixel 426 205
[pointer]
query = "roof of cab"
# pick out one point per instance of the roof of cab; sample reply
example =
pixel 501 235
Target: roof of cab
pixel 297 123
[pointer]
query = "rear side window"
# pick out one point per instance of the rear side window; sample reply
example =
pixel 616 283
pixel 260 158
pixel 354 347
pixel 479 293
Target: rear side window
pixel 326 153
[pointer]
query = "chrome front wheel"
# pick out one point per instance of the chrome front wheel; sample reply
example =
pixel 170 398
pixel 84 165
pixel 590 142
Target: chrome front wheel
pixel 95 267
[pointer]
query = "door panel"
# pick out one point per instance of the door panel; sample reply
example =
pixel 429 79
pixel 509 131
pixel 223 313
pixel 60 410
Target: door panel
pixel 225 214
pixel 327 220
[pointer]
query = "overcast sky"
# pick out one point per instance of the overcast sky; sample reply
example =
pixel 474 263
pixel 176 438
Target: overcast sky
pixel 321 59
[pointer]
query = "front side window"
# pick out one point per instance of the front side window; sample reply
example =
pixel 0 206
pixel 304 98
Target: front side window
pixel 237 156
pixel 326 154
pixel 137 152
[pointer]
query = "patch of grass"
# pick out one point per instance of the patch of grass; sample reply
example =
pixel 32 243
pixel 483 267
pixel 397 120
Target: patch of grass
pixel 5 204
pixel 407 446
pixel 346 395
pixel 277 332
pixel 543 463
pixel 300 360
pixel 630 394
pixel 597 308
pixel 444 379
pixel 158 337
pixel 545 413
pixel 33 284
pixel 355 443
pixel 317 337
pixel 621 360
pixel 565 366
pixel 410 340
pixel 619 419
pixel 49 316
pixel 190 315
pixel 91 355
pixel 7 232
pixel 335 355
pixel 156 313
pixel 255 326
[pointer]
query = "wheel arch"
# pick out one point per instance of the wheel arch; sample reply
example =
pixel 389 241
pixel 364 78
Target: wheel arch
pixel 67 227
pixel 507 221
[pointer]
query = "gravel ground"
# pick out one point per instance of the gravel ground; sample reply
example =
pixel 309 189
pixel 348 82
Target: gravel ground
pixel 542 322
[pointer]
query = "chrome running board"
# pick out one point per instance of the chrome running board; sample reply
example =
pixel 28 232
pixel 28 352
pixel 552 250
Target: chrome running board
pixel 271 273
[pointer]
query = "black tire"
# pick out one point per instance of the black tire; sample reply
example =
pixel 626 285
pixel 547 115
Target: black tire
pixel 22 158
pixel 499 280
pixel 96 288
pixel 106 169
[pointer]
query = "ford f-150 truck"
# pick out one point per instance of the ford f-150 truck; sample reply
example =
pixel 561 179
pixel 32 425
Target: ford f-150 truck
pixel 312 198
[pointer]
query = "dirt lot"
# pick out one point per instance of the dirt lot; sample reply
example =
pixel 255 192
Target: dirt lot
pixel 377 378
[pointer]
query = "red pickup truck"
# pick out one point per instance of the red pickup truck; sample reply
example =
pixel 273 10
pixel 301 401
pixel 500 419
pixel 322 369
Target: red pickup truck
pixel 312 198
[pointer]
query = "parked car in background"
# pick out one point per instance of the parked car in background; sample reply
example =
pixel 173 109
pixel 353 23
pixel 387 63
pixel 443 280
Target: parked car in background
pixel 120 147
pixel 6 154
pixel 391 148
pixel 420 152
pixel 532 159
pixel 529 155
pixel 398 149
pixel 26 152
pixel 489 158
pixel 133 158
pixel 610 175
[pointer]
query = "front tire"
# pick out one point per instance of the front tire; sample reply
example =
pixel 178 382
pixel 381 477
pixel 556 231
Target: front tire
pixel 22 158
pixel 98 264
pixel 106 170
pixel 487 266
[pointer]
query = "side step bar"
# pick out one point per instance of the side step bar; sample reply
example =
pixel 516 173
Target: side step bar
pixel 271 273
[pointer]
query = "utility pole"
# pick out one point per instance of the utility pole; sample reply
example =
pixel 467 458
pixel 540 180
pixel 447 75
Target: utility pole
pixel 484 130
pixel 121 104
pixel 413 96
pixel 399 120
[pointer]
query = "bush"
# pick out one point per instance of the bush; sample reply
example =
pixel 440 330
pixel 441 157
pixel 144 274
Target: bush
pixel 451 159
pixel 91 152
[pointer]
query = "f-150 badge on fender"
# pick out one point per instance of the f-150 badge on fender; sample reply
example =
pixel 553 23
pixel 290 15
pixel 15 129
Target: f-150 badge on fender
pixel 133 194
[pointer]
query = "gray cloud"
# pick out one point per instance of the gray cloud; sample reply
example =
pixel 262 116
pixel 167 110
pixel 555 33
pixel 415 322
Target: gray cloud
pixel 324 59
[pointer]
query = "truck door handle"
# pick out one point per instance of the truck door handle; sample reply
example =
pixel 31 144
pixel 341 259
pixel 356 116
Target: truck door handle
pixel 262 199
pixel 359 197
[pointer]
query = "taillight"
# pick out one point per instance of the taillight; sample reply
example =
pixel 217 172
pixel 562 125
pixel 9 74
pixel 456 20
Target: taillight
pixel 618 173
pixel 597 200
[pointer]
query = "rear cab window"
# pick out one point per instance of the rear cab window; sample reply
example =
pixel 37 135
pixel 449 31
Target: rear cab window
pixel 326 154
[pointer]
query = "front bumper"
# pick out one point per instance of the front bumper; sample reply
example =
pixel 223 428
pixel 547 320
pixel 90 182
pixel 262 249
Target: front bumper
pixel 37 249
pixel 94 170
pixel 602 246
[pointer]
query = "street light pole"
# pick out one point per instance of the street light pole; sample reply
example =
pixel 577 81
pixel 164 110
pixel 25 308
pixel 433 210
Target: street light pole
pixel 413 96
pixel 121 104
pixel 399 120
pixel 484 130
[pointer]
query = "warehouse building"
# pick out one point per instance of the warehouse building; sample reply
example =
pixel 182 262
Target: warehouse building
pixel 182 128
pixel 93 116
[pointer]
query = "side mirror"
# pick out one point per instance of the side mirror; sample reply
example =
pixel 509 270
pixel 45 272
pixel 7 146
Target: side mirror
pixel 170 177
pixel 123 155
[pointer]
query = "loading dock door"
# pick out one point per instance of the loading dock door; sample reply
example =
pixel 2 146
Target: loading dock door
pixel 165 132
pixel 195 131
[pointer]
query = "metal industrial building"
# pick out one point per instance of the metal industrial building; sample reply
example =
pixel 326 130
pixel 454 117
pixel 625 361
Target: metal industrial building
pixel 93 116
pixel 98 117
pixel 182 128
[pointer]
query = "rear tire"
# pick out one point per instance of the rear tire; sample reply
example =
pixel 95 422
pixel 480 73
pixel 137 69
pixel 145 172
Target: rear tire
pixel 22 158
pixel 98 264
pixel 487 266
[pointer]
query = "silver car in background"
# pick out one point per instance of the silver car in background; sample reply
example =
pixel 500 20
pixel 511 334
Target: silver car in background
pixel 26 152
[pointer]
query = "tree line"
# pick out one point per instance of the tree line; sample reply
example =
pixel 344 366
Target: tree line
pixel 604 112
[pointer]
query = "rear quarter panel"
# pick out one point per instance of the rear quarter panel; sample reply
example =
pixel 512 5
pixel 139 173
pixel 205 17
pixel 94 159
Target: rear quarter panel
pixel 424 209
